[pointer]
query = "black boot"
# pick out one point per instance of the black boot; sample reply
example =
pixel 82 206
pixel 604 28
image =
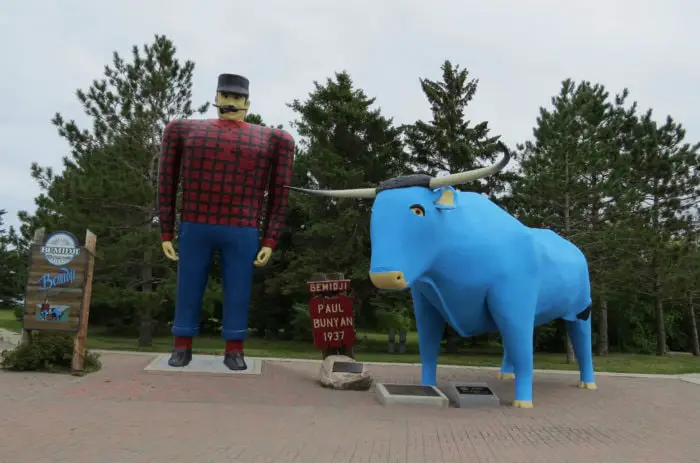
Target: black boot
pixel 235 361
pixel 180 358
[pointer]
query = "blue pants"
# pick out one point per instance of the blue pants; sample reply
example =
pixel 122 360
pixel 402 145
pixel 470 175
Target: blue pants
pixel 238 247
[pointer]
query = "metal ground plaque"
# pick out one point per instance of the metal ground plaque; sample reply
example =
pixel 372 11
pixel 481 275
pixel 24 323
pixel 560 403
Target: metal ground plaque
pixel 347 367
pixel 471 394
pixel 411 394
pixel 412 389
pixel 474 390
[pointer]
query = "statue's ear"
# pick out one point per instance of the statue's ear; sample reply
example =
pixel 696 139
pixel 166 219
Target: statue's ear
pixel 446 198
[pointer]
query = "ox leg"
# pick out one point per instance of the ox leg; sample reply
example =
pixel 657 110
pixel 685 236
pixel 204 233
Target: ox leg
pixel 518 340
pixel 580 334
pixel 431 327
pixel 507 369
pixel 512 306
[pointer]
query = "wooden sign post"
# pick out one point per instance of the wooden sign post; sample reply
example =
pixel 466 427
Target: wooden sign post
pixel 59 288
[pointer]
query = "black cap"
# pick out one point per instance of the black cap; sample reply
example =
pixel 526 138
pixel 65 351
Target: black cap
pixel 233 83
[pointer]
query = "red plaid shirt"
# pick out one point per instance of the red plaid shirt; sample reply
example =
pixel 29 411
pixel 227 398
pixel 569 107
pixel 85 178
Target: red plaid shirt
pixel 226 168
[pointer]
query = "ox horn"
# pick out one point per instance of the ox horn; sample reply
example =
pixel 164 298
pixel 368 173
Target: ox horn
pixel 471 175
pixel 366 193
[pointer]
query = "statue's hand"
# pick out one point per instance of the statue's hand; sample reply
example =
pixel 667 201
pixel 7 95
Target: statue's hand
pixel 263 257
pixel 169 250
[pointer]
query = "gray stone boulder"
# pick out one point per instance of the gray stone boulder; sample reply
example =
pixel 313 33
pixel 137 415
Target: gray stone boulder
pixel 356 381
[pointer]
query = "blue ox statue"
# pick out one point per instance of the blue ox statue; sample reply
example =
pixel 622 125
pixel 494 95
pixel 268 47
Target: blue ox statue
pixel 472 265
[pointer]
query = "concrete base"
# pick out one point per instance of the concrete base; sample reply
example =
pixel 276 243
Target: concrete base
pixel 465 394
pixel 203 365
pixel 691 378
pixel 6 345
pixel 9 339
pixel 409 394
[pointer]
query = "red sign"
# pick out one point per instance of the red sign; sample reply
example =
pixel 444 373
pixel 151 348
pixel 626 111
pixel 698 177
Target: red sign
pixel 331 286
pixel 332 321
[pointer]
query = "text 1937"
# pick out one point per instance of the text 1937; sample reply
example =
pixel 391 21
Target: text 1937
pixel 333 336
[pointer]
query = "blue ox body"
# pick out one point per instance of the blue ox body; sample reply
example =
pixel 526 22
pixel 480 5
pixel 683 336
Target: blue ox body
pixel 470 264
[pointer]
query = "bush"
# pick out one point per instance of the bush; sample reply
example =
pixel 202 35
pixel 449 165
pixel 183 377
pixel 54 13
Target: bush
pixel 551 337
pixel 393 318
pixel 47 352
pixel 300 328
pixel 19 312
pixel 210 326
pixel 393 310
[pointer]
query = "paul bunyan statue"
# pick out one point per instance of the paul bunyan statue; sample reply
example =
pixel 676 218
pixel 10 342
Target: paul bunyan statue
pixel 224 166
pixel 470 264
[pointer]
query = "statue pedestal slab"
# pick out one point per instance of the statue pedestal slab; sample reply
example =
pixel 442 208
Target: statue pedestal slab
pixel 203 365
pixel 466 394
pixel 411 394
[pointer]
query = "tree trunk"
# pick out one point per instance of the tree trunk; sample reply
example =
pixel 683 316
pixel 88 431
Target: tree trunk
pixel 146 322
pixel 659 310
pixel 452 340
pixel 603 344
pixel 570 358
pixel 146 328
pixel 603 340
pixel 656 274
pixel 693 327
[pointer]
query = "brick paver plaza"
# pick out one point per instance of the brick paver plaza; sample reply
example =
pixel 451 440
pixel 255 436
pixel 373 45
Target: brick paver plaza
pixel 123 414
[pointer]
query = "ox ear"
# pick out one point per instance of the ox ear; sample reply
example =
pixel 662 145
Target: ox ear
pixel 446 198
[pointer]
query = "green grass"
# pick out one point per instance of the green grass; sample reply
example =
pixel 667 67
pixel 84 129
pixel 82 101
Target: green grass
pixel 8 321
pixel 372 347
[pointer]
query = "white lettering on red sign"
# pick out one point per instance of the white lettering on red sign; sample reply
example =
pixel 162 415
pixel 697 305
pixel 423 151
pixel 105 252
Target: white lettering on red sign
pixel 330 336
pixel 329 286
pixel 330 308
pixel 332 322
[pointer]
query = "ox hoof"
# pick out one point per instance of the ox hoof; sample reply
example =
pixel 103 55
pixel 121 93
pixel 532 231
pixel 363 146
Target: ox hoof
pixel 522 404
pixel 506 376
pixel 591 386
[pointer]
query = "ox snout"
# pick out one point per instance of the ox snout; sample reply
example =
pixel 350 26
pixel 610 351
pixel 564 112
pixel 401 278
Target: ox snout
pixel 388 280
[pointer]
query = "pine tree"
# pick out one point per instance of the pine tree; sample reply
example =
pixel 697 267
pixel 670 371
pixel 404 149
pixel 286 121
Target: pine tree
pixel 109 180
pixel 12 267
pixel 667 183
pixel 571 179
pixel 683 278
pixel 344 143
pixel 449 142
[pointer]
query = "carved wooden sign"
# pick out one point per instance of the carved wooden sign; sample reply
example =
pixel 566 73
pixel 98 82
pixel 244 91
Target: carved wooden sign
pixel 59 287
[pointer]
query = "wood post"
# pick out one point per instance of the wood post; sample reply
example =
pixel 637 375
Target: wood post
pixel 79 342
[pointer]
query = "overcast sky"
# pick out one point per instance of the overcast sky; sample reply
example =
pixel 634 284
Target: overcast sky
pixel 519 50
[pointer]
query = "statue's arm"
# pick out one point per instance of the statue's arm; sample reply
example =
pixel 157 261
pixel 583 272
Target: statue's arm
pixel 169 177
pixel 278 193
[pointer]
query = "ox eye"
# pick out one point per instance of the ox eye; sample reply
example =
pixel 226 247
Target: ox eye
pixel 418 210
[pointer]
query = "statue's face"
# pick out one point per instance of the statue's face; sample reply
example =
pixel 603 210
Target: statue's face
pixel 232 106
